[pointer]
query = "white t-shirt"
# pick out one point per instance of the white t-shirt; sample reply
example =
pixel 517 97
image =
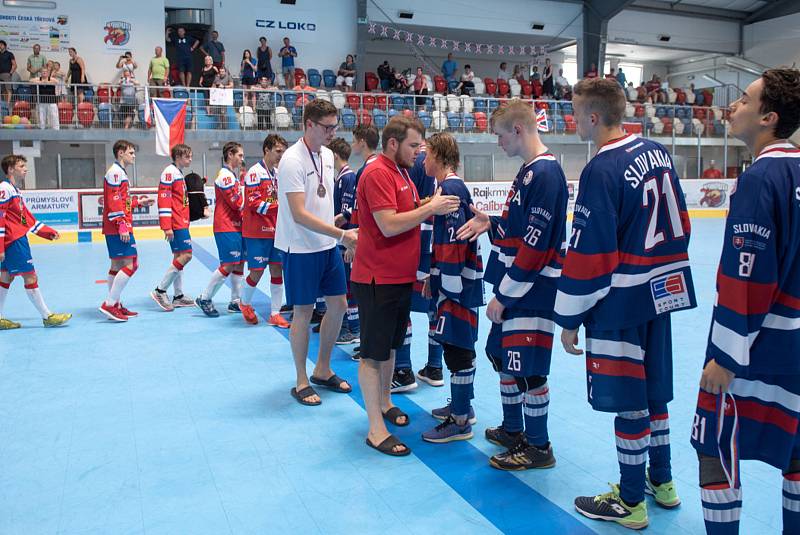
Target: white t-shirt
pixel 296 173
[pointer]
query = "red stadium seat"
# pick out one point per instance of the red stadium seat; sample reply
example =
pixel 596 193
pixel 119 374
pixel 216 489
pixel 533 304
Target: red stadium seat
pixel 408 113
pixel 298 74
pixel 537 89
pixel 527 88
pixel 541 105
pixel 103 94
pixel 680 97
pixel 491 86
pixel 503 89
pixel 639 110
pixel 165 92
pixel 380 101
pixel 85 113
pixel 632 128
pixel 353 101
pixel 699 113
pixel 22 108
pixel 369 102
pixel 65 112
pixel 439 84
pixel 372 81
pixel 480 121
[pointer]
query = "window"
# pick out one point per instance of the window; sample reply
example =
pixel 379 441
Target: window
pixel 633 72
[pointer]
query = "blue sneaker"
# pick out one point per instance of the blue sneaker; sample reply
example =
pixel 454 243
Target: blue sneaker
pixel 207 306
pixel 444 414
pixel 233 307
pixel 448 431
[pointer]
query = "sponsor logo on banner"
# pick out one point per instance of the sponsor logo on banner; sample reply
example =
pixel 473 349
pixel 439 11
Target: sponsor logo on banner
pixel 53 207
pixel 669 292
pixel 715 194
pixel 118 33
pixel 90 209
pixel 286 25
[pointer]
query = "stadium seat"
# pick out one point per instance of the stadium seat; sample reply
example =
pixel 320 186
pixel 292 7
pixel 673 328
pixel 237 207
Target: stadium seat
pixel 526 88
pixel 466 104
pixel 179 92
pixel 348 119
pixel 21 108
pixel 65 112
pixel 314 78
pixel 515 88
pixel 429 83
pixel 649 110
pixel 409 102
pixel 452 85
pixel 338 99
pixel 379 118
pixel 493 105
pixel 238 98
pixel 24 92
pixel 439 120
pixel 680 97
pixel 364 117
pixel 103 94
pixel 439 102
pixel 538 90
pixel 246 117
pixel 698 127
pixel 480 121
pixel 425 119
pixel 371 81
pixel 658 128
pixel 479 105
pixel 381 101
pixel 638 110
pixel 298 75
pixel 632 128
pixel 678 126
pixel 453 120
pixel 469 122
pixel 439 84
pixel 672 95
pixel 85 114
pixel 690 97
pixel 629 110
pixel 231 119
pixel 491 86
pixel 398 102
pixel 368 102
pixel 393 112
pixel 328 79
pixel 667 127
pixel 282 117
pixel 321 94
pixel 407 113
pixel 289 99
pixel 428 103
pixel 88 93
pixel 480 87
pixel 453 103
pixel 353 101
pixel 503 89
pixel 699 113
pixel 297 116
pixel 104 115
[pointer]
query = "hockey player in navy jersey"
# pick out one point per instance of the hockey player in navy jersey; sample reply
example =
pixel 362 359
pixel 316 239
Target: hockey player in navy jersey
pixel 455 287
pixel 626 270
pixel 749 402
pixel 524 265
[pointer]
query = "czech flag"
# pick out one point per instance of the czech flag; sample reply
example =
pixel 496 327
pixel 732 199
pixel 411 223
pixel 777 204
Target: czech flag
pixel 169 115
pixel 541 121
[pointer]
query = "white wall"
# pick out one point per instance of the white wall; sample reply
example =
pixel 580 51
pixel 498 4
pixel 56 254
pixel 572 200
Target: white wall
pixel 324 47
pixel 87 19
pixel 774 42
pixel 685 32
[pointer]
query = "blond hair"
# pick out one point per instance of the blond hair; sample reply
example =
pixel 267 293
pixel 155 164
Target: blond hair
pixel 515 112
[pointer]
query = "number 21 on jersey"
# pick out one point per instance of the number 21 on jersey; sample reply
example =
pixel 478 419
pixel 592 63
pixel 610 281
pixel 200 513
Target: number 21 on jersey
pixel 652 193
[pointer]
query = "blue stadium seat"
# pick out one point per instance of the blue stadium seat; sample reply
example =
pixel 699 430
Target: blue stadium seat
pixel 188 120
pixel 469 121
pixel 479 104
pixel 379 118
pixel 88 93
pixel 238 98
pixel 397 102
pixel 205 121
pixel 329 78
pixel 24 92
pixel 428 104
pixel 452 85
pixel 425 118
pixel 297 115
pixel 493 105
pixel 453 120
pixel 231 119
pixel 179 92
pixel 348 118
pixel 393 112
pixel 104 114
pixel 141 114
pixel 661 111
pixel 289 99
pixel 409 102
pixel 314 77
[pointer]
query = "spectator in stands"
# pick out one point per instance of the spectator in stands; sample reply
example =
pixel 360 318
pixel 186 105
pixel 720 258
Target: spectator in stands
pixel 641 93
pixel 287 54
pixel 449 68
pixel 126 63
pixel 127 100
pixel 184 46
pixel 517 74
pixel 592 72
pixel 562 86
pixel 8 66
pixel 467 85
pixel 386 76
pixel 216 50
pixel 400 82
pixel 264 57
pixel 633 95
pixel 712 171
pixel 621 78
pixel 76 76
pixel 36 62
pixel 207 78
pixel 303 88
pixel 47 108
pixel 654 92
pixel 247 75
pixel 502 74
pixel 265 103
pixel 222 81
pixel 56 74
pixel 420 88
pixel 346 73
pixel 611 74
pixel 158 70
pixel 536 76
pixel 547 79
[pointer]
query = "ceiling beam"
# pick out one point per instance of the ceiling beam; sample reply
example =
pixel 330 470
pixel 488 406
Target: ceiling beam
pixel 773 10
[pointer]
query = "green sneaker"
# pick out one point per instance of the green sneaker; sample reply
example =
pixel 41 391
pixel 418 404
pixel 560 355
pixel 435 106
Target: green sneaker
pixel 54 320
pixel 6 324
pixel 665 494
pixel 610 507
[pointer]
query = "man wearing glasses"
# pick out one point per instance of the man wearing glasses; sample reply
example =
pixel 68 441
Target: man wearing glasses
pixel 306 234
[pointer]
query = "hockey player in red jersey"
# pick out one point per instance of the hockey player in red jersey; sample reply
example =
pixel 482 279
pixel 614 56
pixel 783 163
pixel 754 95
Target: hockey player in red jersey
pixel 626 271
pixel 749 401
pixel 15 252
pixel 118 208
pixel 259 217
pixel 227 231
pixel 173 218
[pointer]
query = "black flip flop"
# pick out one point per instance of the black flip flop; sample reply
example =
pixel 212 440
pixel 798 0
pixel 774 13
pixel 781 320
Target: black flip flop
pixel 303 394
pixel 333 383
pixel 386 447
pixel 393 414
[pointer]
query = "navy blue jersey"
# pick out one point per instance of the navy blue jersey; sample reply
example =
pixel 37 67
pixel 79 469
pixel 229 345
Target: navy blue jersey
pixel 628 259
pixel 528 238
pixel 344 194
pixel 353 214
pixel 426 186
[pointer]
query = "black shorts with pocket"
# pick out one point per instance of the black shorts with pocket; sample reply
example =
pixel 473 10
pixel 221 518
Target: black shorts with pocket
pixel 383 311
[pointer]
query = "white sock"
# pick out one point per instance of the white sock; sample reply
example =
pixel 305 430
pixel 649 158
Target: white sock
pixel 168 279
pixel 276 296
pixel 36 298
pixel 217 280
pixel 3 294
pixel 248 290
pixel 110 280
pixel 177 284
pixel 236 286
pixel 120 281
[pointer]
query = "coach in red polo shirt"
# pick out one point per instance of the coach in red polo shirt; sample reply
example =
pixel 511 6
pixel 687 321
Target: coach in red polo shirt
pixel 385 268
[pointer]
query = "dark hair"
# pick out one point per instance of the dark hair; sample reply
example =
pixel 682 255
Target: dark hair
pixel 3 42
pixel 271 140
pixel 340 148
pixel 229 148
pixel 467 66
pixel 247 52
pixel 781 94
pixel 73 49
pixel 369 134
pixel 398 127
pixel 121 145
pixel 11 161
pixel 180 150
pixel 603 97
pixel 262 38
pixel 317 109
pixel 443 147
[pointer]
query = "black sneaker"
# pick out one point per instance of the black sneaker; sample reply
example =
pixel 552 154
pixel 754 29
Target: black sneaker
pixel 356 356
pixel 403 381
pixel 287 308
pixel 523 456
pixel 610 507
pixel 499 436
pixel 432 376
pixel 316 317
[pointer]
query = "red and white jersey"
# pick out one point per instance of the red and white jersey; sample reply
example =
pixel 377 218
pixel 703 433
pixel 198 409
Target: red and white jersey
pixel 173 200
pixel 117 204
pixel 260 213
pixel 16 219
pixel 229 202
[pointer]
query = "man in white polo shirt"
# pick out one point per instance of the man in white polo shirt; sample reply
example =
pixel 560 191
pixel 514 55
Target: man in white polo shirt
pixel 306 233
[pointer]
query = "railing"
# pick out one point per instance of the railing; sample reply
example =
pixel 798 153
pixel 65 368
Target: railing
pixel 106 106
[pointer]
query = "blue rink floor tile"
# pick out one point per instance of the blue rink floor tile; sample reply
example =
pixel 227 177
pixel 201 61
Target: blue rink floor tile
pixel 178 423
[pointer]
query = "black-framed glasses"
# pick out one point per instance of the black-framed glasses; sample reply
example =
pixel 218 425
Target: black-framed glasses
pixel 329 128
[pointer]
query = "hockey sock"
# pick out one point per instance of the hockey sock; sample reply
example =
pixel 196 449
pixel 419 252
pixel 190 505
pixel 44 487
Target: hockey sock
pixel 791 503
pixel 537 401
pixel 722 508
pixel 275 294
pixel 217 280
pixel 110 281
pixel 177 284
pixel 248 290
pixel 434 353
pixel 236 284
pixel 402 359
pixel 35 295
pixel 659 452
pixel 511 397
pixel 4 286
pixel 461 383
pixel 170 276
pixel 632 430
pixel 120 281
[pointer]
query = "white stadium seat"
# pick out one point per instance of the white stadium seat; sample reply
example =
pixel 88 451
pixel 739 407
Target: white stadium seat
pixel 338 99
pixel 282 117
pixel 466 104
pixel 247 117
pixel 453 103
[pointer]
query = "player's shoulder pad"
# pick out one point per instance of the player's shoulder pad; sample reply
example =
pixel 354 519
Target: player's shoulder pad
pixel 115 175
pixel 7 191
pixel 225 179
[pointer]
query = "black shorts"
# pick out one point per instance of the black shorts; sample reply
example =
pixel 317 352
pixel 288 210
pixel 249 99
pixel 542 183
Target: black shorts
pixel 384 311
